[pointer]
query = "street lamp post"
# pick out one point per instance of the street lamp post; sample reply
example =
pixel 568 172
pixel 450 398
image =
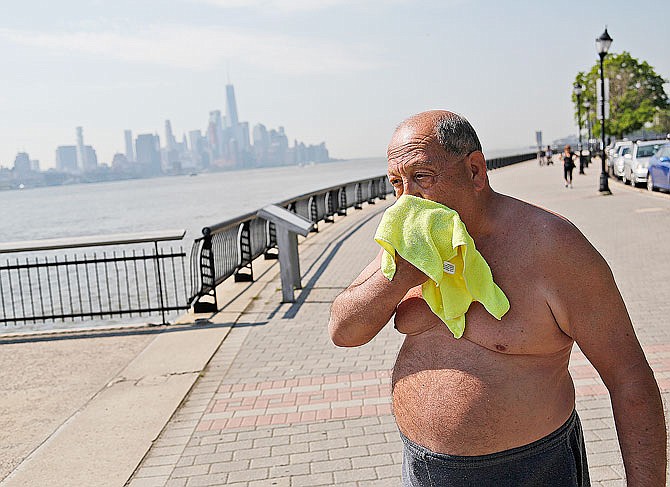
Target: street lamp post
pixel 603 44
pixel 577 90
pixel 587 105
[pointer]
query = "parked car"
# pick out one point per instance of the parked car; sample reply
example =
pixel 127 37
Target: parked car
pixel 615 163
pixel 659 169
pixel 612 149
pixel 636 164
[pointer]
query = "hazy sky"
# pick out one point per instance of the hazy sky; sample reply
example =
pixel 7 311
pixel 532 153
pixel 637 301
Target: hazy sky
pixel 343 71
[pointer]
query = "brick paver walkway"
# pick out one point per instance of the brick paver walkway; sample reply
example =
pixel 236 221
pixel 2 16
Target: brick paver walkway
pixel 279 405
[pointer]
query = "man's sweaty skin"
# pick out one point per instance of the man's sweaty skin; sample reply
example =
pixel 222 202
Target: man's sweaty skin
pixel 504 383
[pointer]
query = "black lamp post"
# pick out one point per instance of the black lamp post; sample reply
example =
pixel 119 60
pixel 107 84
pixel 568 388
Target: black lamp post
pixel 587 105
pixel 577 90
pixel 603 44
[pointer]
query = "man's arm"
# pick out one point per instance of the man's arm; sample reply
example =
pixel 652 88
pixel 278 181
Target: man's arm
pixel 362 310
pixel 594 314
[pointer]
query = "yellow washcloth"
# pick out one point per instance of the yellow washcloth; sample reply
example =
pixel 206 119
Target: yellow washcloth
pixel 433 238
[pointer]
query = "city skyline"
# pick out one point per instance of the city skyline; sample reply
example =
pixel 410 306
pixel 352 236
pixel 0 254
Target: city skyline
pixel 107 66
pixel 225 144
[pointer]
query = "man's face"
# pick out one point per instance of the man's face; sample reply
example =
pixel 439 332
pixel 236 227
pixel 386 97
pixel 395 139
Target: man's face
pixel 418 166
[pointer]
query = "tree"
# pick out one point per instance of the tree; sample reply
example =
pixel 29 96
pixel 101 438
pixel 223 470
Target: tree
pixel 662 121
pixel 636 94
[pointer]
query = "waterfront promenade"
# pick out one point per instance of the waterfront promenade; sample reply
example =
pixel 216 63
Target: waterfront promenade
pixel 269 401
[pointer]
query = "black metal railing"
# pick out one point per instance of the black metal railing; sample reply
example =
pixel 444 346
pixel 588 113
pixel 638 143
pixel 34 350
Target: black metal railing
pixel 229 248
pixel 131 275
pixel 498 162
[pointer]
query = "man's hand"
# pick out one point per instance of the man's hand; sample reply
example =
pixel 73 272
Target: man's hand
pixel 408 274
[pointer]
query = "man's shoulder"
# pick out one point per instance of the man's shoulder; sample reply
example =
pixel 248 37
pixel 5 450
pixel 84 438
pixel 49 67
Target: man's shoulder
pixel 553 245
pixel 542 225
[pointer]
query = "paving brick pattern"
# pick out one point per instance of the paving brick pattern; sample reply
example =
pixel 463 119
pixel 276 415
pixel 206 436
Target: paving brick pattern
pixel 279 405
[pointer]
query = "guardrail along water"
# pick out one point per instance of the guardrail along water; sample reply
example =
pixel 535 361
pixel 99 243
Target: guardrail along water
pixel 126 275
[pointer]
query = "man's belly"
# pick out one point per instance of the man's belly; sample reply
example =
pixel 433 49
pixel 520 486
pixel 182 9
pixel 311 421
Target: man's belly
pixel 461 398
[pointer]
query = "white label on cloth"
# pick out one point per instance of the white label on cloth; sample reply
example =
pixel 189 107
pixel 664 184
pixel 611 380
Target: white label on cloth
pixel 449 268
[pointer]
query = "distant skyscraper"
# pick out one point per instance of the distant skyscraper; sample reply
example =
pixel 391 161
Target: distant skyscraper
pixel 231 107
pixel 215 118
pixel 170 141
pixel 66 158
pixel 130 153
pixel 261 143
pixel 120 161
pixel 242 135
pixel 22 163
pixel 90 157
pixel 81 154
pixel 198 145
pixel 194 142
pixel 147 152
pixel 215 134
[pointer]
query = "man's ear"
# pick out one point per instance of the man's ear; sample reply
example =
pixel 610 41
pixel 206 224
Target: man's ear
pixel 477 165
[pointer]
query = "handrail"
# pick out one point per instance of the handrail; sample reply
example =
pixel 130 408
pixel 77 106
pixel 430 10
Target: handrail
pixel 491 164
pixel 91 241
pixel 127 274
pixel 228 248
pixel 218 227
pixel 498 162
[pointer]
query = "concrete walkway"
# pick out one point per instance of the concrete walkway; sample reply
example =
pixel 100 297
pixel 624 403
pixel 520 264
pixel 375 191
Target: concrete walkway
pixel 268 400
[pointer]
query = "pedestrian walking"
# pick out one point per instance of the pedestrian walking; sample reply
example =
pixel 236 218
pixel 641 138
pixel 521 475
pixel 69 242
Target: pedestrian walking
pixel 568 165
pixel 549 154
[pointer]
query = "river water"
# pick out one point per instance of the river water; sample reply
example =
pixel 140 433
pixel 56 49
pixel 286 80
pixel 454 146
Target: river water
pixel 179 202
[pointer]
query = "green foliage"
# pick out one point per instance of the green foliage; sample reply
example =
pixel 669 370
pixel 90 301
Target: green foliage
pixel 637 96
pixel 662 121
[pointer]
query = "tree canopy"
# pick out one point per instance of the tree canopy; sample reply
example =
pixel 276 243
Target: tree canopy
pixel 637 97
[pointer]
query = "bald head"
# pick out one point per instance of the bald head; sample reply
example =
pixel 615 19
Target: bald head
pixel 436 155
pixel 451 131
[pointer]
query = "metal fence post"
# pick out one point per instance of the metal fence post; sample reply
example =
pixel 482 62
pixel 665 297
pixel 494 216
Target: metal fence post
pixel 271 242
pixel 160 282
pixel 314 214
pixel 342 206
pixel 382 188
pixel 330 207
pixel 207 275
pixel 359 197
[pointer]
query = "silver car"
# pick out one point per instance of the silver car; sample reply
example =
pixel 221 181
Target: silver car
pixel 636 164
pixel 616 162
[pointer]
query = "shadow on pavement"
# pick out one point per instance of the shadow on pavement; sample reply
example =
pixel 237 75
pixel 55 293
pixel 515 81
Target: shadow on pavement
pixel 149 330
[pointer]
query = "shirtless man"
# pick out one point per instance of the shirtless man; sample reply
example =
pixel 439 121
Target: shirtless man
pixel 496 407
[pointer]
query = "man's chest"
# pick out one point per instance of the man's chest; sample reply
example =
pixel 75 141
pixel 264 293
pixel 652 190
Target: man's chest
pixel 529 326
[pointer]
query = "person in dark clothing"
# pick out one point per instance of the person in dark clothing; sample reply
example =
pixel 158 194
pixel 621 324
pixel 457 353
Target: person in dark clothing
pixel 568 165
